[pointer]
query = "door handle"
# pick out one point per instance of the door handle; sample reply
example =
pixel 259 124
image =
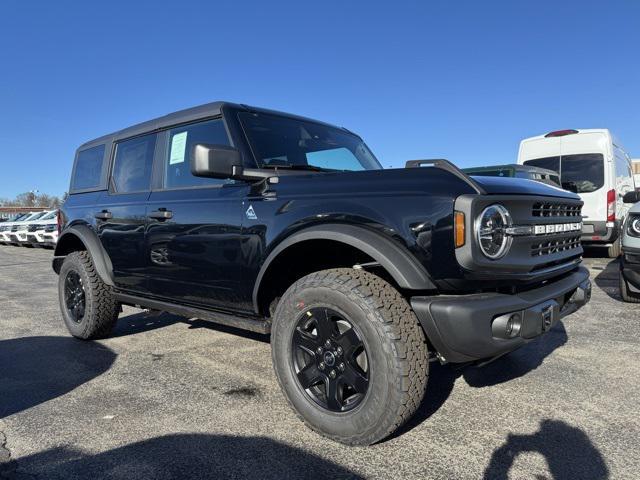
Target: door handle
pixel 161 214
pixel 103 215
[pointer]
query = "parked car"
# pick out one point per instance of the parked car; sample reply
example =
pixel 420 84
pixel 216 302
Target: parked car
pixel 279 224
pixel 518 171
pixel 630 259
pixel 17 233
pixel 592 163
pixel 44 231
pixel 5 227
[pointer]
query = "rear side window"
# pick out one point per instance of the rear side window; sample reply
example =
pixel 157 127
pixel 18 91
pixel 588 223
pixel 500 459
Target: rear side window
pixel 585 171
pixel 88 170
pixel 133 164
pixel 177 165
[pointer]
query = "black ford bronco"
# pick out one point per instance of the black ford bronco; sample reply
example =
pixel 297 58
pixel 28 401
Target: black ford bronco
pixel 280 224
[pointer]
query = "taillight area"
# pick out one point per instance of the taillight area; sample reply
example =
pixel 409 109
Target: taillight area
pixel 611 206
pixel 59 221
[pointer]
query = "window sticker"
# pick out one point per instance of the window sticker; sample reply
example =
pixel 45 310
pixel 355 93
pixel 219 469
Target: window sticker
pixel 178 146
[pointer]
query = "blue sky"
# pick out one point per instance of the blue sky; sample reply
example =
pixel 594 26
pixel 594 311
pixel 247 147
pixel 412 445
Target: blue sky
pixel 460 80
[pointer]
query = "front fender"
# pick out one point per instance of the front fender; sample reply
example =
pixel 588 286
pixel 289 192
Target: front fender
pixel 405 269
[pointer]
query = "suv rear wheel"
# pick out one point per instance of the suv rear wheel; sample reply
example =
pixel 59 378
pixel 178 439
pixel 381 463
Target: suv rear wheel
pixel 88 307
pixel 349 355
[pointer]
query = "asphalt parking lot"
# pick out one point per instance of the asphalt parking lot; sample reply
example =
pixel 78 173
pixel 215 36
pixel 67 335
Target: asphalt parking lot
pixel 168 397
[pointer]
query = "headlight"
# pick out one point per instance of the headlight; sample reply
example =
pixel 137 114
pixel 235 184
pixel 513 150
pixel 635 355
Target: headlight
pixel 491 231
pixel 634 226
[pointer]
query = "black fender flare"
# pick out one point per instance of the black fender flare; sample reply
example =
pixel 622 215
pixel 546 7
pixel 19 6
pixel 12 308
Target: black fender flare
pixel 396 259
pixel 90 240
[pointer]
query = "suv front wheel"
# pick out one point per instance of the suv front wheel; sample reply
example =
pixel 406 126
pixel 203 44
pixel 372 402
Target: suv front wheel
pixel 349 354
pixel 88 307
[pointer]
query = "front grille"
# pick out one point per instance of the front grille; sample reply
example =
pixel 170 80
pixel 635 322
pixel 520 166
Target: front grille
pixel 50 228
pixel 14 228
pixel 4 228
pixel 553 209
pixel 548 247
pixel 35 227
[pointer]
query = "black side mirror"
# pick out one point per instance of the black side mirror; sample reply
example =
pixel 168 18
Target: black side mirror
pixel 215 161
pixel 631 197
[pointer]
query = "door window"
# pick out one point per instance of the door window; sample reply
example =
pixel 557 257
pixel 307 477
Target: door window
pixel 133 164
pixel 177 164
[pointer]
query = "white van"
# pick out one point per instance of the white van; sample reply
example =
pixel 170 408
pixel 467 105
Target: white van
pixel 592 163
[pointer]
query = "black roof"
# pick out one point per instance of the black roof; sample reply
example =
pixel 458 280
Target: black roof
pixel 184 116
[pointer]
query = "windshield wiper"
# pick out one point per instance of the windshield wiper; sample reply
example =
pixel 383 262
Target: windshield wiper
pixel 310 168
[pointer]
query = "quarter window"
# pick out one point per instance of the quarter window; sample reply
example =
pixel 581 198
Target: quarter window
pixel 133 164
pixel 88 170
pixel 177 165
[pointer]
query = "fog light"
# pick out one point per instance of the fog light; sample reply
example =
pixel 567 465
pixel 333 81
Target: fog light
pixel 507 326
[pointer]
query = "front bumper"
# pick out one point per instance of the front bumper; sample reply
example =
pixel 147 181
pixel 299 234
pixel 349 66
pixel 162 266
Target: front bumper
pixel 630 268
pixel 467 328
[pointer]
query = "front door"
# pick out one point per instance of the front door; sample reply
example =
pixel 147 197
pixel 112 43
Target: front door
pixel 193 238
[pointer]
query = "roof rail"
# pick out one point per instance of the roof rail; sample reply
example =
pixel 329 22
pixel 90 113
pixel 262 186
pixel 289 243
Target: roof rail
pixel 444 164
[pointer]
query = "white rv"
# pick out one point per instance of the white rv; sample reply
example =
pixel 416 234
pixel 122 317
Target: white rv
pixel 592 163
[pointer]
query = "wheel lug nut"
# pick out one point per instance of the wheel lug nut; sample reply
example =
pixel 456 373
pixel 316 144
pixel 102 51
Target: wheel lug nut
pixel 327 344
pixel 319 350
pixel 341 367
pixel 339 350
pixel 321 366
pixel 332 374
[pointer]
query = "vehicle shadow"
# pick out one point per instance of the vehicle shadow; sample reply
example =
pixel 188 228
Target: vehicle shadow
pixel 607 279
pixel 568 451
pixel 147 321
pixel 34 370
pixel 442 378
pixel 185 457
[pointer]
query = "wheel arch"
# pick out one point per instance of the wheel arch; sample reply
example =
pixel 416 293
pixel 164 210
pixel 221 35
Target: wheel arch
pixel 395 259
pixel 83 237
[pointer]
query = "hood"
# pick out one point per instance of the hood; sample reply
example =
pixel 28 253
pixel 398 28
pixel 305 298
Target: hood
pixel 521 186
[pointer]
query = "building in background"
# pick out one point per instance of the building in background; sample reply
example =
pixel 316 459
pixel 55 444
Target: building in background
pixel 635 166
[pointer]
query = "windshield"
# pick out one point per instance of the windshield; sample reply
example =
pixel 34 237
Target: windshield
pixel 582 173
pixel 285 142
pixel 49 215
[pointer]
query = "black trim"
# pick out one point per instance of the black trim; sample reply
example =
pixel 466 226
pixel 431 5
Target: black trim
pixel 89 239
pixel 446 165
pixel 253 324
pixel 395 259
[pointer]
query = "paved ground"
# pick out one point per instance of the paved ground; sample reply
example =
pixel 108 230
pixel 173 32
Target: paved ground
pixel 168 397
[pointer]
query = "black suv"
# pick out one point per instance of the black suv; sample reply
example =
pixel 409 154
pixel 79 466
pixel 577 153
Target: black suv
pixel 280 224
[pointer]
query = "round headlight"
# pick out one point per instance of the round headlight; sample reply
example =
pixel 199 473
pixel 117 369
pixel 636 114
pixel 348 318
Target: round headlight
pixel 491 231
pixel 634 226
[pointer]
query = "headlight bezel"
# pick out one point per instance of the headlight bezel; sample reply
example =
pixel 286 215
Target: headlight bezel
pixel 507 240
pixel 633 228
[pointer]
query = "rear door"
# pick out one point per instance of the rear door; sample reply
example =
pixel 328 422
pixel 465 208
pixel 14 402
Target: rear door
pixel 623 178
pixel 121 212
pixel 193 239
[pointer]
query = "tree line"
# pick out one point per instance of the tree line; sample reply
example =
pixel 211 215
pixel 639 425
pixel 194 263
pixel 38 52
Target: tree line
pixel 32 199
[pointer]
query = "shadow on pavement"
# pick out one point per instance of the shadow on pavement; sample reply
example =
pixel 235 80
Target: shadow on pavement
pixel 568 451
pixel 185 456
pixel 442 378
pixel 34 370
pixel 607 279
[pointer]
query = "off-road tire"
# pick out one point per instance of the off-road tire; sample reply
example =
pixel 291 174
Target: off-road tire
pixel 624 290
pixel 101 308
pixel 614 250
pixel 395 345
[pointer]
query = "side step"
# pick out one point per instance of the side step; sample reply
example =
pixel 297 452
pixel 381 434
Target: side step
pixel 255 324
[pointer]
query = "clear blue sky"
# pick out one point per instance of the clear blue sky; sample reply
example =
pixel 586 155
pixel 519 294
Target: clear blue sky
pixel 460 80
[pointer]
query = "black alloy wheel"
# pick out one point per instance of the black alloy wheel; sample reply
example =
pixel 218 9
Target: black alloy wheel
pixel 330 359
pixel 74 296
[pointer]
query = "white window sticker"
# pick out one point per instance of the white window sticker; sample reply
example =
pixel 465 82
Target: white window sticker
pixel 178 146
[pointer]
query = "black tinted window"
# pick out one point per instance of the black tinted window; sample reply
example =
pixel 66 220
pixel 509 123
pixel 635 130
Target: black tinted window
pixel 88 168
pixel 181 143
pixel 133 163
pixel 585 171
pixel 550 163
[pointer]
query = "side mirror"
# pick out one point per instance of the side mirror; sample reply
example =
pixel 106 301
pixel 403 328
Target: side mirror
pixel 631 197
pixel 215 161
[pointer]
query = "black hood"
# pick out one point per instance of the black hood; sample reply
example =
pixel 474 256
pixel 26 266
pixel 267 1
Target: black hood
pixel 521 186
